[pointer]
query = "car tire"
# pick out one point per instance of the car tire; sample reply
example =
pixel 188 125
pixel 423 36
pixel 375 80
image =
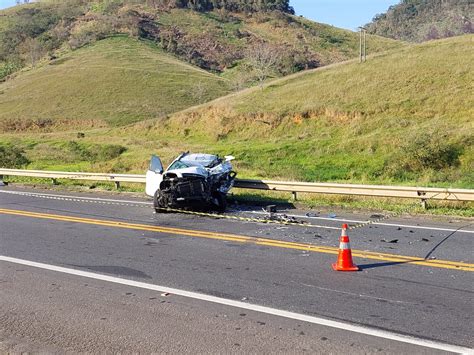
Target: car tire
pixel 156 204
pixel 220 202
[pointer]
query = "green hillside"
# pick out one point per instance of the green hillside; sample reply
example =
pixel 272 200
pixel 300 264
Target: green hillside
pixel 403 117
pixel 111 82
pixel 73 64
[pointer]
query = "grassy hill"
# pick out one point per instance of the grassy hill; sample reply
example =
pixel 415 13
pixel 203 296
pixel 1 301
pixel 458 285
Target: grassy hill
pixel 111 82
pixel 402 117
pixel 75 64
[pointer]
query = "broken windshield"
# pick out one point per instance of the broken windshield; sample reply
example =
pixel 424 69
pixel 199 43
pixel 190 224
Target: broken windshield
pixel 178 165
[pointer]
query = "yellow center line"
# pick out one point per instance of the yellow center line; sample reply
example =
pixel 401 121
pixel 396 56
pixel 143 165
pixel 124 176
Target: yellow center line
pixel 445 264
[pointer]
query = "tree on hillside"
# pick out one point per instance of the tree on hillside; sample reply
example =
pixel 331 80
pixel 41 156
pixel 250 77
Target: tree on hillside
pixel 236 5
pixel 32 51
pixel 263 59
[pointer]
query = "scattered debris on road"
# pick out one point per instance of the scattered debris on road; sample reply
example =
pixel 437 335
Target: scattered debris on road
pixel 393 241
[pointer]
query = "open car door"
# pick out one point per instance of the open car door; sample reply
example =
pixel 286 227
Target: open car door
pixel 154 176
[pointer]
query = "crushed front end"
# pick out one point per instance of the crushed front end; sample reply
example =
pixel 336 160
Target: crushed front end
pixel 195 182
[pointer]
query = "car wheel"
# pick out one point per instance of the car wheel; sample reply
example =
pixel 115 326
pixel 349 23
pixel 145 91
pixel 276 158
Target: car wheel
pixel 156 202
pixel 220 202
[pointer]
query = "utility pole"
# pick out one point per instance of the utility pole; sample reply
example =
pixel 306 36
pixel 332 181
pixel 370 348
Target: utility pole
pixel 362 44
pixel 365 45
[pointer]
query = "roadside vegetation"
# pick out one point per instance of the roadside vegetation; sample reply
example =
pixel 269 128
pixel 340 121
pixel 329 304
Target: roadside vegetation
pixel 12 157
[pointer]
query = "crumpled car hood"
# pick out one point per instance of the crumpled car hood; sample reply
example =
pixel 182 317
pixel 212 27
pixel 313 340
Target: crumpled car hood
pixel 196 170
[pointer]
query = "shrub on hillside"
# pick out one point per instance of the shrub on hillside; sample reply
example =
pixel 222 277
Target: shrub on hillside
pixel 107 152
pixel 12 157
pixel 422 153
pixel 8 68
pixel 95 152
pixel 87 32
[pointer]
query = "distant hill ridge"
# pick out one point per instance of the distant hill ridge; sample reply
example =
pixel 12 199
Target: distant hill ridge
pixel 421 20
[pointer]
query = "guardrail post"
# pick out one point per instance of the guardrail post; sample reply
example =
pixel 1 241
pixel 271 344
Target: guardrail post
pixel 117 184
pixel 295 195
pixel 424 203
pixel 54 181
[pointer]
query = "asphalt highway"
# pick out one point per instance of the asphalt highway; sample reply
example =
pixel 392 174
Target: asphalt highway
pixel 94 272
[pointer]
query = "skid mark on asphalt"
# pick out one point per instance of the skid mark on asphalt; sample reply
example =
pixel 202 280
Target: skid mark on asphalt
pixel 398 259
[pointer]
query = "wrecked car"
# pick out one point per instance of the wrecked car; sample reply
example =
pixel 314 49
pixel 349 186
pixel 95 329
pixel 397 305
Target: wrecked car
pixel 195 181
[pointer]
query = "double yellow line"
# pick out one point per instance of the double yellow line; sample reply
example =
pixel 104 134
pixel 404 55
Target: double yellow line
pixel 444 264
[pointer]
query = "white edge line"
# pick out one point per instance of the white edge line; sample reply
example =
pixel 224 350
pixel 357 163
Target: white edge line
pixel 374 223
pixel 421 227
pixel 262 309
pixel 253 212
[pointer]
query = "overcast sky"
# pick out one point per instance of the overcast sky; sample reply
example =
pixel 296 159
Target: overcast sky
pixel 340 13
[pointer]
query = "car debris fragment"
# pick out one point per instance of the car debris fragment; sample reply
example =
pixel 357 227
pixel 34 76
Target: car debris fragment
pixel 377 216
pixel 282 218
pixel 393 241
pixel 270 209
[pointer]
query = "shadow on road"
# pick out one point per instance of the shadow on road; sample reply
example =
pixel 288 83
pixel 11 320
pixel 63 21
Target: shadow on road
pixel 374 265
pixel 427 256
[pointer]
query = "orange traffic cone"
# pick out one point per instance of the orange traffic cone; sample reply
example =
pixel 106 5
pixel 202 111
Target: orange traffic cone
pixel 344 260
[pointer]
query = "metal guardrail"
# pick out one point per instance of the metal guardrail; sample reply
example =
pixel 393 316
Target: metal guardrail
pixel 54 175
pixel 422 193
